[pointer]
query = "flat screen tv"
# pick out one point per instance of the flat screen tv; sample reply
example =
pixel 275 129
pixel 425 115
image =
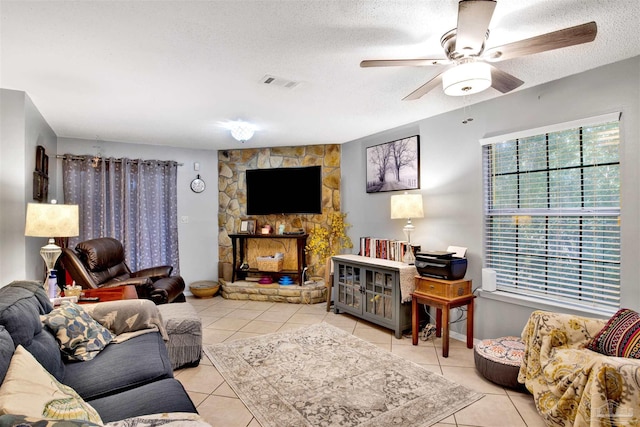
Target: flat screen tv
pixel 284 191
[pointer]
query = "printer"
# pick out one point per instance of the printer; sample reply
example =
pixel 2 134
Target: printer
pixel 441 265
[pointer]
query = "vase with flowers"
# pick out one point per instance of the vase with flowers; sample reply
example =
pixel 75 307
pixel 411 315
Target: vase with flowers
pixel 325 242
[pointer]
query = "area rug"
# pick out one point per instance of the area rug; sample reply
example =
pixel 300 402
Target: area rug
pixel 323 376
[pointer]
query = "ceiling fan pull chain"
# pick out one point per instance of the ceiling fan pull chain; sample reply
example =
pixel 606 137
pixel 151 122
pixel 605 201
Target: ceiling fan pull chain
pixel 466 113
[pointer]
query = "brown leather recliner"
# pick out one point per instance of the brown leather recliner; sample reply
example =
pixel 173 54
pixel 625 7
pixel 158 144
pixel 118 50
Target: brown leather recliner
pixel 99 263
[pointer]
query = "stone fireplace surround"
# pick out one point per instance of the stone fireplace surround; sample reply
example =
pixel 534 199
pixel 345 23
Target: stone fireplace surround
pixel 232 165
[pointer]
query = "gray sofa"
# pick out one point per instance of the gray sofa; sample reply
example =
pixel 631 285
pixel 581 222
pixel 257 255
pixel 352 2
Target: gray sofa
pixel 125 380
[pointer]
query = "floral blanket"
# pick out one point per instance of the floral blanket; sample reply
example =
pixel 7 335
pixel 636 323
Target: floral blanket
pixel 574 386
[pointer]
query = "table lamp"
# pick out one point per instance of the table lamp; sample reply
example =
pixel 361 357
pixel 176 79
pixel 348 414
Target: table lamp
pixel 407 206
pixel 51 220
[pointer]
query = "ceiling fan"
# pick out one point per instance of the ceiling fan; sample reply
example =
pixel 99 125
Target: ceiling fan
pixel 468 70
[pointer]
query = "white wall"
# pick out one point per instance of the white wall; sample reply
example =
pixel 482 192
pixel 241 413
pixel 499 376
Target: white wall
pixel 198 238
pixel 451 176
pixel 22 129
pixel 12 186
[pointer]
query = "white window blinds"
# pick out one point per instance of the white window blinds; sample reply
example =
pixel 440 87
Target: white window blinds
pixel 552 212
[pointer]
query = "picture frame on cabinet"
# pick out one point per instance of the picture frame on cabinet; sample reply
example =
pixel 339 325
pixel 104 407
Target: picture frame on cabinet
pixel 247 226
pixel 394 166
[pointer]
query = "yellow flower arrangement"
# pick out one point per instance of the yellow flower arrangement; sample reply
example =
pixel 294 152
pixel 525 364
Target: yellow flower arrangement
pixel 325 242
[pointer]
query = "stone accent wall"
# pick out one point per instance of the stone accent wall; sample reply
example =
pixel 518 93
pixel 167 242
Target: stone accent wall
pixel 232 196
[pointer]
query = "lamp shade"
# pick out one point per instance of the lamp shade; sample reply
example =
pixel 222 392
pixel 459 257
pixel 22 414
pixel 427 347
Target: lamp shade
pixel 51 220
pixel 406 206
pixel 467 78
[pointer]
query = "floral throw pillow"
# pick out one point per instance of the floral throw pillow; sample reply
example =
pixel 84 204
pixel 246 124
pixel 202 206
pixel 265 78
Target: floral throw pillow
pixel 80 337
pixel 620 337
pixel 29 390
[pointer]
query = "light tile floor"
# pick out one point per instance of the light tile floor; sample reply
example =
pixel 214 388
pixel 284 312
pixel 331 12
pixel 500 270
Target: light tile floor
pixel 224 320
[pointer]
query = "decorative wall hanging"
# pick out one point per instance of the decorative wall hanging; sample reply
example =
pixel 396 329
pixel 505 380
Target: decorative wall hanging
pixel 198 185
pixel 41 176
pixel 394 165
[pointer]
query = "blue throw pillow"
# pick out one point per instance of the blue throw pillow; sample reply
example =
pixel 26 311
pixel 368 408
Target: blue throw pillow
pixel 80 337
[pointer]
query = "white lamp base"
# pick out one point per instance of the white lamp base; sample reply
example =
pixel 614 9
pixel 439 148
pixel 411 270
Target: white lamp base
pixel 50 254
pixel 408 257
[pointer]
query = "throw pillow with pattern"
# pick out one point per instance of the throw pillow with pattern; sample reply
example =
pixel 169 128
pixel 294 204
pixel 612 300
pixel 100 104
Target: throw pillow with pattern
pixel 29 390
pixel 80 337
pixel 620 337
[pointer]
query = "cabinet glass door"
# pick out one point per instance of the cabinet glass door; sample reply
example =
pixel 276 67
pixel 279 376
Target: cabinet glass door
pixel 378 291
pixel 349 288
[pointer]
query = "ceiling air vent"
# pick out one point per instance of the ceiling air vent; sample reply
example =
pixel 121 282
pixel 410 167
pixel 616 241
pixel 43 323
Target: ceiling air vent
pixel 278 81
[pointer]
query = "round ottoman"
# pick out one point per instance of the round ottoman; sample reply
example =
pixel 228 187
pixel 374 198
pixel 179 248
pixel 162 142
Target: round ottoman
pixel 499 360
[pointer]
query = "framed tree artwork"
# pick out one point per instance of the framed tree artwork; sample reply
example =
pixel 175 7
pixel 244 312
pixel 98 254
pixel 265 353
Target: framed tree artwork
pixel 394 165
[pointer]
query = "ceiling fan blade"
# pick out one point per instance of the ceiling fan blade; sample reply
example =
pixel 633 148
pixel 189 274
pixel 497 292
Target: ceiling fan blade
pixel 402 62
pixel 503 81
pixel 428 86
pixel 474 17
pixel 571 36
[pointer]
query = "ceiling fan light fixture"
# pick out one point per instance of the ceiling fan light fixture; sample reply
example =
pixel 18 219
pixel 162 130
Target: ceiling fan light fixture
pixel 466 79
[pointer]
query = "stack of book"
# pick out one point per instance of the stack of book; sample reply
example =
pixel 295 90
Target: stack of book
pixel 392 250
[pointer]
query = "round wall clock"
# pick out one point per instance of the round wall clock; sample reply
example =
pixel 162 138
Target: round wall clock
pixel 197 185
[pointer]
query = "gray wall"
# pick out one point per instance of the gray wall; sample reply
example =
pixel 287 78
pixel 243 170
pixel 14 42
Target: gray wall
pixel 22 129
pixel 198 238
pixel 451 178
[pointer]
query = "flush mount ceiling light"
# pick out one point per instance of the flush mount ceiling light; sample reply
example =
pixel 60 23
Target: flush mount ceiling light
pixel 240 130
pixel 467 78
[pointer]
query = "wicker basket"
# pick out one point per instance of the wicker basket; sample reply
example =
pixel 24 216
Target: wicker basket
pixel 269 264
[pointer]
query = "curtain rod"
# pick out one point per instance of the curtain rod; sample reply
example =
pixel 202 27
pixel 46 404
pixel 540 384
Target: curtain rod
pixel 62 156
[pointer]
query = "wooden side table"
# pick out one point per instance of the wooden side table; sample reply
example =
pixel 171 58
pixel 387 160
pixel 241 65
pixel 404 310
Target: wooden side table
pixel 443 295
pixel 111 294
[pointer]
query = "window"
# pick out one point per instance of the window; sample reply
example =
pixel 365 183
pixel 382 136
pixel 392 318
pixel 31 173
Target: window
pixel 552 212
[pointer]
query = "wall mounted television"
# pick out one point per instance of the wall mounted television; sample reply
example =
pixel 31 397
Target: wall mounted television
pixel 284 190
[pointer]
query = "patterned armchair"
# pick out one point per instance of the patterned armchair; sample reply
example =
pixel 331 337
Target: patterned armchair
pixel 99 263
pixel 572 385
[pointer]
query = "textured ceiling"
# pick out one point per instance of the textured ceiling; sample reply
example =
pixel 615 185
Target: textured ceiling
pixel 168 72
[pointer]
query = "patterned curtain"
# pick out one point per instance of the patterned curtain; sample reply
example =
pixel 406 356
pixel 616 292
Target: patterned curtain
pixel 134 201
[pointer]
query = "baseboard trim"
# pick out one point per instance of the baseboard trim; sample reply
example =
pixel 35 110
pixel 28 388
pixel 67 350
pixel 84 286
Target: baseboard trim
pixel 461 337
